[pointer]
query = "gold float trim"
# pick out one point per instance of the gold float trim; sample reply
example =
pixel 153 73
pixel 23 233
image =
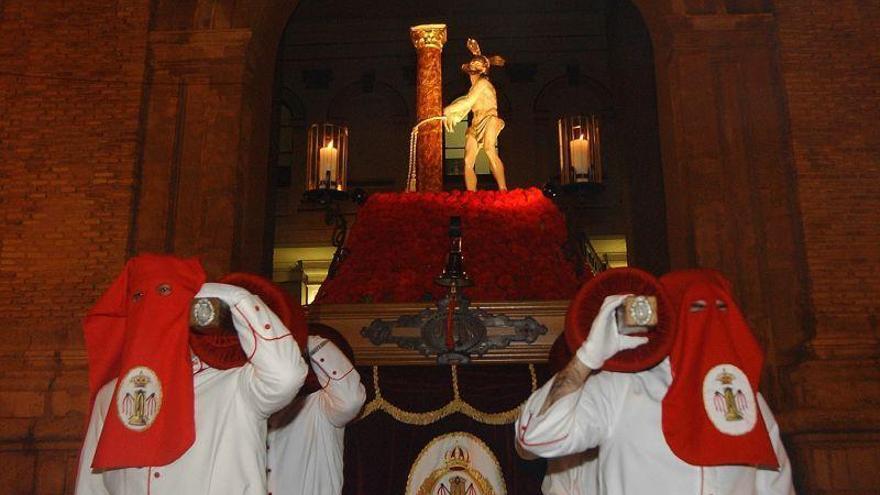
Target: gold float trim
pixel 456 405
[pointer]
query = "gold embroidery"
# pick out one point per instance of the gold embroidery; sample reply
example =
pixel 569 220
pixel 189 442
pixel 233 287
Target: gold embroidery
pixel 483 484
pixel 456 405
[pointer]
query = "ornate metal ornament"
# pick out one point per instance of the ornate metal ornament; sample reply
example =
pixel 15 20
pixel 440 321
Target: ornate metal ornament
pixel 470 329
pixel 203 311
pixel 329 200
pixel 641 311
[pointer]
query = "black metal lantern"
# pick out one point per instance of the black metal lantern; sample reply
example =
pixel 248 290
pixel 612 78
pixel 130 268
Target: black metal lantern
pixel 580 156
pixel 327 157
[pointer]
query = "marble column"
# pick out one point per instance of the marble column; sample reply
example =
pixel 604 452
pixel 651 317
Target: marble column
pixel 428 40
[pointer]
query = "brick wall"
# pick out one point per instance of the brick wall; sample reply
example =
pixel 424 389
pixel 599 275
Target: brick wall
pixel 70 93
pixel 829 61
pixel 71 78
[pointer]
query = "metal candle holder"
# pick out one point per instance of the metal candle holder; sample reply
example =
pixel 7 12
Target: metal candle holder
pixel 580 153
pixel 327 157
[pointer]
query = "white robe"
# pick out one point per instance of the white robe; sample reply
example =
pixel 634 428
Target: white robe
pixel 574 474
pixel 228 456
pixel 620 413
pixel 305 454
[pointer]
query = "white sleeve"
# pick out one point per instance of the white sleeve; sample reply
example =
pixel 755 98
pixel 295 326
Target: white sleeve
pixel 88 482
pixel 275 371
pixel 572 474
pixel 576 422
pixel 774 481
pixel 342 394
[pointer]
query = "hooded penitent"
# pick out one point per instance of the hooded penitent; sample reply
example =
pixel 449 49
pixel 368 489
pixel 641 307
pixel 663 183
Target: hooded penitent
pixel 710 413
pixel 137 332
pixel 585 306
pixel 312 384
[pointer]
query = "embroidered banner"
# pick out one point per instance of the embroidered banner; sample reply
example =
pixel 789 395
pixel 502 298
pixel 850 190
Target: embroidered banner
pixel 456 463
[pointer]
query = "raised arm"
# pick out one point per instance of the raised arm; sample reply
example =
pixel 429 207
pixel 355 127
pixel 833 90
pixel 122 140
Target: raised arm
pixel 342 394
pixel 574 422
pixel 774 481
pixel 574 411
pixel 275 370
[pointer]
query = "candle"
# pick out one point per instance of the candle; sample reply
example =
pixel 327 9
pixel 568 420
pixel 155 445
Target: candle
pixel 327 160
pixel 580 158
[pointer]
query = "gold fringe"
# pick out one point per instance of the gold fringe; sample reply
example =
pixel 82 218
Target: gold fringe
pixel 456 405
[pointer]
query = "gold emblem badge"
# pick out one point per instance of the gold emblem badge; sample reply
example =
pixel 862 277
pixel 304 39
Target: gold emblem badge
pixel 457 463
pixel 139 398
pixel 729 400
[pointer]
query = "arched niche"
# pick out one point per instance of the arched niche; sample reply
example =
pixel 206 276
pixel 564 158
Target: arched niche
pixel 572 93
pixel 726 162
pixel 375 112
pixel 563 95
pixel 288 150
pixel 294 105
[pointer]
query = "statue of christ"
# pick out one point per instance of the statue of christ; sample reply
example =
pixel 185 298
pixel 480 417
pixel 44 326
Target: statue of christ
pixel 486 124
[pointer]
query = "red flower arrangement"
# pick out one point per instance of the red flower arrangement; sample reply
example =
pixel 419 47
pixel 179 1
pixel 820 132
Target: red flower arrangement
pixel 511 242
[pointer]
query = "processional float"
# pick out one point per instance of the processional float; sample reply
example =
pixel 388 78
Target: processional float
pixel 438 421
pixel 439 415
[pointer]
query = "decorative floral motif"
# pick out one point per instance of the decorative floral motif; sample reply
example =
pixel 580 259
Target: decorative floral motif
pixel 512 245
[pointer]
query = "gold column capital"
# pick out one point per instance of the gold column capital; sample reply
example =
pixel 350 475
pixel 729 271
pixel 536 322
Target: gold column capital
pixel 428 36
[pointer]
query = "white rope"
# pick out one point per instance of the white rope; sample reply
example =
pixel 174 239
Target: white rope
pixel 411 176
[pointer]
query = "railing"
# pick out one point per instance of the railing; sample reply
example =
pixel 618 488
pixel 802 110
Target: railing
pixel 596 262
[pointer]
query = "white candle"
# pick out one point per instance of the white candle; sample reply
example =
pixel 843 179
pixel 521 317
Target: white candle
pixel 327 159
pixel 580 158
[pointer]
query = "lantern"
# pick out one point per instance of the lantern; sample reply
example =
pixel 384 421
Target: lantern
pixel 327 157
pixel 580 157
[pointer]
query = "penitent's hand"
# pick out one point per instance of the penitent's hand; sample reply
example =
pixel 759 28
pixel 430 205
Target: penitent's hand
pixel 604 340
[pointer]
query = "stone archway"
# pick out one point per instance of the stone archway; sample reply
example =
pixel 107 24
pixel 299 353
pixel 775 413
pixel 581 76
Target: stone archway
pixel 210 80
pixel 731 200
pixel 729 196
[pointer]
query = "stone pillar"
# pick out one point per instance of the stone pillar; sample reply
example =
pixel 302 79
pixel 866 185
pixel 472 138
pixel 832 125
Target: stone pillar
pixel 731 204
pixel 727 177
pixel 428 40
pixel 202 191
